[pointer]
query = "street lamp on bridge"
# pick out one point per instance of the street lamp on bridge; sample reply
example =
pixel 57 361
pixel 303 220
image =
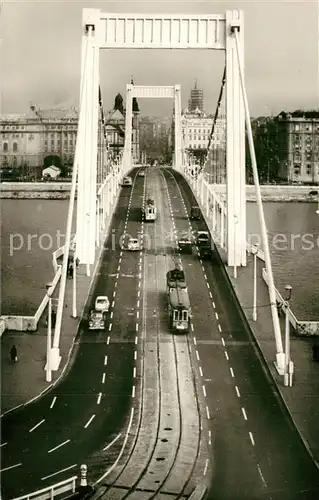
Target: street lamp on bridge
pixel 254 251
pixel 288 370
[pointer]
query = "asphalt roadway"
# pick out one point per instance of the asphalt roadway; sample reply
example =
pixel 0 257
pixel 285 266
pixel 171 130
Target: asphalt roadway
pixel 46 441
pixel 255 451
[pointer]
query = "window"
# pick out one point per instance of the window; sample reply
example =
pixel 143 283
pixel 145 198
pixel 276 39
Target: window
pixel 309 169
pixel 15 147
pixel 297 169
pixel 308 127
pixel 5 147
pixel 297 127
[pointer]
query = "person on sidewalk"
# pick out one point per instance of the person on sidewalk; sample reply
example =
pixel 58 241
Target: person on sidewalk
pixel 14 354
pixel 71 271
pixel 53 318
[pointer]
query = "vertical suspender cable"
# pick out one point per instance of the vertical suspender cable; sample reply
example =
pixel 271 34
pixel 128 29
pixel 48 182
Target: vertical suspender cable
pixel 271 286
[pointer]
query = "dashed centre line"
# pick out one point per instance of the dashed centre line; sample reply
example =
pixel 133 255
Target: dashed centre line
pixel 89 421
pixel 37 425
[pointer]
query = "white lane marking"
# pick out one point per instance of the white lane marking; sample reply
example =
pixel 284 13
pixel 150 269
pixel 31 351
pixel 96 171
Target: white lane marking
pixel 105 360
pixel 244 413
pixel 251 438
pixel 2 444
pixel 136 327
pixel 261 476
pixel 134 372
pixel 133 391
pixel 121 253
pixel 226 355
pixel 223 341
pixel 214 305
pixel 89 421
pixel 237 391
pixel 111 315
pixel 207 412
pixel 206 466
pixel 139 293
pixel 59 472
pixel 211 295
pixel 108 340
pixel 113 303
pixel 219 327
pixel 137 314
pixel 11 467
pixel 195 341
pixel 110 326
pixel 209 437
pixel 205 276
pixel 53 402
pixel 103 378
pixel 114 293
pixel 120 261
pixel 115 285
pixel 136 340
pixel 216 314
pixel 99 398
pixel 231 372
pixel 59 445
pixel 138 304
pixel 197 355
pixel 112 442
pixel 37 425
pixel 204 391
pixel 200 371
pixel 135 355
pixel 192 327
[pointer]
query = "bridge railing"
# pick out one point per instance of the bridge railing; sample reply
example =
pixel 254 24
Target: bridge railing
pixel 53 491
pixel 199 186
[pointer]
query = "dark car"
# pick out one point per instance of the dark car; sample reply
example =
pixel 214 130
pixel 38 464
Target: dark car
pixel 195 213
pixel 185 243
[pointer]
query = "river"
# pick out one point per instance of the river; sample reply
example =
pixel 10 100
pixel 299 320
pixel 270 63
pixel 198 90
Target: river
pixel 32 229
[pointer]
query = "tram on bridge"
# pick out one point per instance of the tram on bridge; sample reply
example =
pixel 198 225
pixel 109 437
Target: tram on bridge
pixel 179 308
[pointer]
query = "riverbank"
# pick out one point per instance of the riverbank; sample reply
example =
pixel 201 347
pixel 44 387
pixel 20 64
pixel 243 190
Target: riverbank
pixel 61 190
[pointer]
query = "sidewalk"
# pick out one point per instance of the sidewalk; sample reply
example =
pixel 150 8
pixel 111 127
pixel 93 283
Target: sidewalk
pixel 302 399
pixel 25 380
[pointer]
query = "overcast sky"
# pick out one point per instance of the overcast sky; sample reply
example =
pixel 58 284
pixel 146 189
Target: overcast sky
pixel 41 44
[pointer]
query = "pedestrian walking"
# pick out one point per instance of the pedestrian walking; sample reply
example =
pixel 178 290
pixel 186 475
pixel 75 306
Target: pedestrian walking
pixel 14 354
pixel 71 271
pixel 53 318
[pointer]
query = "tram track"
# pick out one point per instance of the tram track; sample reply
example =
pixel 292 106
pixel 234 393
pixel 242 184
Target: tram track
pixel 166 448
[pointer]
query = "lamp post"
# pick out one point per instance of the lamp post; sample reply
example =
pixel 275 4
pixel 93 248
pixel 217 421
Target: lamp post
pixel 49 333
pixel 254 251
pixel 287 371
pixel 317 211
pixel 235 222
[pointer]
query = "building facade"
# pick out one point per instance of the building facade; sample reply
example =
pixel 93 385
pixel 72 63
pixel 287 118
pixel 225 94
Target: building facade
pixel 300 139
pixel 49 136
pixel 196 100
pixel 31 137
pixel 287 147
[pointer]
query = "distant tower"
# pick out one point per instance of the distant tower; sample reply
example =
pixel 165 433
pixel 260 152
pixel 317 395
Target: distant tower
pixel 135 129
pixel 196 99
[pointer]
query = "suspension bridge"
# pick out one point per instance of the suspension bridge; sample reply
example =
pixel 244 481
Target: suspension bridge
pixel 221 196
pixel 96 177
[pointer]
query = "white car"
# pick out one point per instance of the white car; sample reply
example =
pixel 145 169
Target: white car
pixel 127 181
pixel 133 244
pixel 102 303
pixel 141 173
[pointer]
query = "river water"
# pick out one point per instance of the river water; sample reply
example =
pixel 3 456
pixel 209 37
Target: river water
pixel 32 229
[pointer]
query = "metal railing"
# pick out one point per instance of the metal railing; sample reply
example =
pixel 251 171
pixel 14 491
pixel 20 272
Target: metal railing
pixel 52 491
